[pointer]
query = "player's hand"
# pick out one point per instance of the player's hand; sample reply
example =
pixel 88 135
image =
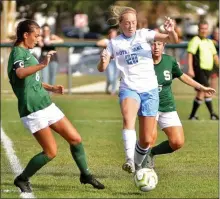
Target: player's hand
pixel 58 89
pixel 169 24
pixel 46 60
pixel 191 73
pixel 103 56
pixel 209 90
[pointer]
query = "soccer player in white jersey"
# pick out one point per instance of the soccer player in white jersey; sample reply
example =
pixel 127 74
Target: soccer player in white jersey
pixel 138 90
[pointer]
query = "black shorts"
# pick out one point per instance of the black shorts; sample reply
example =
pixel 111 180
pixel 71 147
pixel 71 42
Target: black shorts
pixel 202 76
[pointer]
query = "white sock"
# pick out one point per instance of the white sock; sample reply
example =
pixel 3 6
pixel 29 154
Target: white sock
pixel 139 154
pixel 129 139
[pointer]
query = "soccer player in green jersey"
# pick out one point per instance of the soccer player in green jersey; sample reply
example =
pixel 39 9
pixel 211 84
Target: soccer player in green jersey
pixel 167 69
pixel 37 111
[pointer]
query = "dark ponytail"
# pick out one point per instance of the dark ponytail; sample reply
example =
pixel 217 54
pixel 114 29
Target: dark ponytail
pixel 24 26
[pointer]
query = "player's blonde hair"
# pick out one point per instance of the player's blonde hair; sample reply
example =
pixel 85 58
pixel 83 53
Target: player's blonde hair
pixel 117 13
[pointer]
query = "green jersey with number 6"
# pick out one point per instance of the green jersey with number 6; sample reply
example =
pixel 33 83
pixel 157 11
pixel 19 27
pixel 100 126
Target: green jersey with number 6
pixel 31 95
pixel 166 70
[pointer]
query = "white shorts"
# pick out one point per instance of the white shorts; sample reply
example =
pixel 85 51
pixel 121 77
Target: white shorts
pixel 168 119
pixel 42 118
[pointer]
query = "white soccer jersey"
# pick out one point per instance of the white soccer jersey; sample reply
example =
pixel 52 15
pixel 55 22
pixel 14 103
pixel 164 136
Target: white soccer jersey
pixel 134 59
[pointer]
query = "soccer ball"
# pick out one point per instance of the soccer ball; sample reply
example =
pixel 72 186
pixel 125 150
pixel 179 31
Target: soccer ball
pixel 146 179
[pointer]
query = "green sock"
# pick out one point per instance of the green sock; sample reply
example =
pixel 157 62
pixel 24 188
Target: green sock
pixel 162 148
pixel 34 165
pixel 79 156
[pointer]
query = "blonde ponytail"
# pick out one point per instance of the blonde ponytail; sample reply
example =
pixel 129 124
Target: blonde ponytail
pixel 117 13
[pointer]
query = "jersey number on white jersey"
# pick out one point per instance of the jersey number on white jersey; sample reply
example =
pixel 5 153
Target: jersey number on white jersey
pixel 131 59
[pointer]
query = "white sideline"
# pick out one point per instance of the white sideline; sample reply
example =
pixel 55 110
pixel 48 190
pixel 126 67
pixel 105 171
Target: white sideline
pixel 13 159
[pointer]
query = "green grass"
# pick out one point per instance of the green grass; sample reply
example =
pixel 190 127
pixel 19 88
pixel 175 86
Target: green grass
pixel 63 80
pixel 192 172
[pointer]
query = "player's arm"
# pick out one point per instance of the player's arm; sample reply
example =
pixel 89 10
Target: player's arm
pixel 104 61
pixel 22 72
pixel 53 88
pixel 216 60
pixel 171 36
pixel 56 39
pixel 190 65
pixel 102 43
pixel 189 81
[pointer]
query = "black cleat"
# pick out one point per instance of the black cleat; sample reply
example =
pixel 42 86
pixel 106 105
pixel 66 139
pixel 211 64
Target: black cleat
pixel 214 117
pixel 193 118
pixel 90 179
pixel 24 185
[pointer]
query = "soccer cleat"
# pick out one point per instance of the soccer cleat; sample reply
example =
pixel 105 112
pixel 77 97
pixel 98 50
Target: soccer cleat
pixel 148 161
pixel 129 166
pixel 193 118
pixel 214 116
pixel 90 179
pixel 24 185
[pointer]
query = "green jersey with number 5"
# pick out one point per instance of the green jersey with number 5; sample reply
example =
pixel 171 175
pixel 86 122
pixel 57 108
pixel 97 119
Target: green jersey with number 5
pixel 166 70
pixel 29 91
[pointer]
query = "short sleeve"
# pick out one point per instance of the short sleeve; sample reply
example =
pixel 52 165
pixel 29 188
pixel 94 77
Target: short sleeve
pixel 176 71
pixel 212 47
pixel 193 45
pixel 109 48
pixel 148 34
pixel 18 59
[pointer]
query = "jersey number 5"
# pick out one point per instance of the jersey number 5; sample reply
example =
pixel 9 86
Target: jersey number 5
pixel 166 74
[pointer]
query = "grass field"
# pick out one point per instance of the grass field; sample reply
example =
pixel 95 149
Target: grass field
pixel 192 172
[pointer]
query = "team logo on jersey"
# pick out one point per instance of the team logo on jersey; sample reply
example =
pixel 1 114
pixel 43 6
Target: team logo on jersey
pixel 122 52
pixel 137 48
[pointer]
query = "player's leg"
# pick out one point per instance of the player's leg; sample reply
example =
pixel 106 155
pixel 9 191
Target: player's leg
pixel 170 123
pixel 147 120
pixel 129 101
pixel 208 102
pixel 196 104
pixel 108 78
pixel 148 162
pixel 46 140
pixel 208 98
pixel 214 80
pixel 70 134
pixel 53 72
pixel 201 78
pixel 45 74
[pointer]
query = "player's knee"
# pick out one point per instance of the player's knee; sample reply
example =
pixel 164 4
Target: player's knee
pixel 75 140
pixel 127 124
pixel 177 144
pixel 51 153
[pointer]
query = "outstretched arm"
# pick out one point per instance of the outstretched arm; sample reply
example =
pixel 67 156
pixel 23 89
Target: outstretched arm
pixel 53 88
pixel 22 72
pixel 171 36
pixel 189 81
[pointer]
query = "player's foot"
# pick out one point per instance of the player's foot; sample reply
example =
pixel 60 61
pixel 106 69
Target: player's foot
pixel 90 179
pixel 214 116
pixel 137 168
pixel 24 185
pixel 129 166
pixel 193 118
pixel 149 160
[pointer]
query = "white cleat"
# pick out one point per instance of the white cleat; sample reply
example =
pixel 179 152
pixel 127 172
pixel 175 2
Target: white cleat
pixel 129 166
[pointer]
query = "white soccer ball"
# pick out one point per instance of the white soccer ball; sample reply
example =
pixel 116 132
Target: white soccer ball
pixel 146 179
